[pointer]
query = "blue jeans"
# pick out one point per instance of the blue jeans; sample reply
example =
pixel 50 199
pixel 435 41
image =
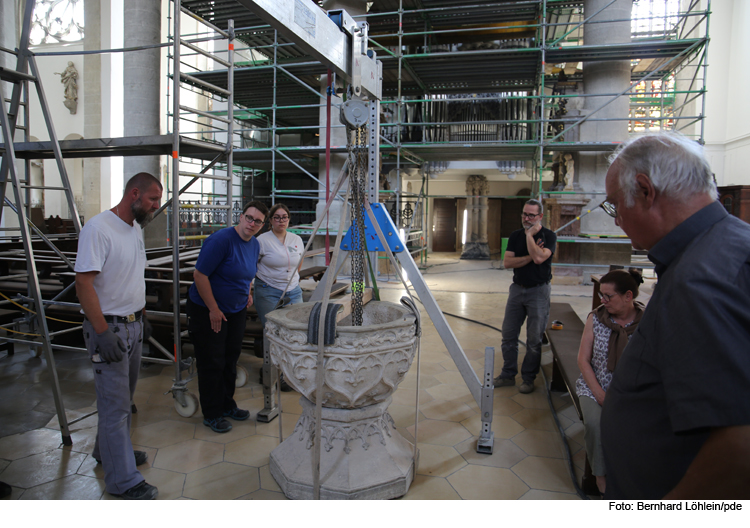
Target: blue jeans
pixel 522 303
pixel 266 297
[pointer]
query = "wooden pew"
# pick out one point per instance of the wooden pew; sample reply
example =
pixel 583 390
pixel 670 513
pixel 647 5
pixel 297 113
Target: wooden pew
pixel 565 344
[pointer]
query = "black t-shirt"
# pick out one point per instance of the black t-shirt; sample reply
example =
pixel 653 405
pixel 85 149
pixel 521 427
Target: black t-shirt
pixel 532 274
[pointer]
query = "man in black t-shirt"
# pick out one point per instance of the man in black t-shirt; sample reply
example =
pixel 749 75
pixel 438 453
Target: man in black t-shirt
pixel 529 254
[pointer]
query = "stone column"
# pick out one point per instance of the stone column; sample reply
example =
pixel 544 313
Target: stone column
pixel 142 95
pixel 92 107
pixel 476 247
pixel 601 77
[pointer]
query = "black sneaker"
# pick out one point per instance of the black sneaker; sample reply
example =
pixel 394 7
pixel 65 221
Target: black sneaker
pixel 141 457
pixel 237 414
pixel 218 425
pixel 504 382
pixel 142 491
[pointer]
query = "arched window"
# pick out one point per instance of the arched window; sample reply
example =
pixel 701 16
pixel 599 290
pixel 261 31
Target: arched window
pixel 57 21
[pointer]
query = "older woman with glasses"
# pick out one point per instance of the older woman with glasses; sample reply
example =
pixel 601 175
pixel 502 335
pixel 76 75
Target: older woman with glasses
pixel 217 312
pixel 607 331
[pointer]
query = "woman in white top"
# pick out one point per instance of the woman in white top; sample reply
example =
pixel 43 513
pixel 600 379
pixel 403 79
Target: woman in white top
pixel 279 261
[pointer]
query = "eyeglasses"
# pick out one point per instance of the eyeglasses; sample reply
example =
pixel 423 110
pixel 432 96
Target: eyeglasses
pixel 609 208
pixel 280 218
pixel 606 298
pixel 530 215
pixel 250 220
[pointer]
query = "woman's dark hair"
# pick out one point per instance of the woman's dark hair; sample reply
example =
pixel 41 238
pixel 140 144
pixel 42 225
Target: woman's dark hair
pixel 276 208
pixel 624 280
pixel 260 206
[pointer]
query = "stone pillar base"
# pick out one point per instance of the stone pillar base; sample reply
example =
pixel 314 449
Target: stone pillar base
pixel 476 251
pixel 362 455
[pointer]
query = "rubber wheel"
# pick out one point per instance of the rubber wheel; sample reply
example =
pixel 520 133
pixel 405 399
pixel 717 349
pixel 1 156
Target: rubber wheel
pixel 190 408
pixel 242 376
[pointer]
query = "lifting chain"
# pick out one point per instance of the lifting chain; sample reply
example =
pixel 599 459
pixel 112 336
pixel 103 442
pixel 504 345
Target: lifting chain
pixel 356 146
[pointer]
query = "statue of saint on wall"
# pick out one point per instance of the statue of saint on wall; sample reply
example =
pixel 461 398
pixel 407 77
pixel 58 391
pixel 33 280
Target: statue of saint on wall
pixel 69 79
pixel 569 173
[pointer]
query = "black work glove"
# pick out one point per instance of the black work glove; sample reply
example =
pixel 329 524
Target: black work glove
pixel 109 346
pixel 147 329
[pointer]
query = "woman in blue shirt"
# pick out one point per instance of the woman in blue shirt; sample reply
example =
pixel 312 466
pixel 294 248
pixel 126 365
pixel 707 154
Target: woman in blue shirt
pixel 217 311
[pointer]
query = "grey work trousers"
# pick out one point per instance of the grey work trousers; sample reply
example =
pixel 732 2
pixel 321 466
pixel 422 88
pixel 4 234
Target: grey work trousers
pixel 115 386
pixel 532 305
pixel 592 434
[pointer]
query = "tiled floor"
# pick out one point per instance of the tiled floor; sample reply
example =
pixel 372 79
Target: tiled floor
pixel 187 460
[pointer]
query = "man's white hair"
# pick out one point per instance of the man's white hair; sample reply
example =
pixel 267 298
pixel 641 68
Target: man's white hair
pixel 676 165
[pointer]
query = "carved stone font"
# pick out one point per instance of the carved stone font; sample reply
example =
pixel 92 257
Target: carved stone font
pixel 363 456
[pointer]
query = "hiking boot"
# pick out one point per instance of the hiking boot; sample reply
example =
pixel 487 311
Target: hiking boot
pixel 141 457
pixel 142 491
pixel 527 387
pixel 504 382
pixel 237 414
pixel 218 425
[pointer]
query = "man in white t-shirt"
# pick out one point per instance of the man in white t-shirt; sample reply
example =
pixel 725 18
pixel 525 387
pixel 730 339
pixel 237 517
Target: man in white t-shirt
pixel 111 288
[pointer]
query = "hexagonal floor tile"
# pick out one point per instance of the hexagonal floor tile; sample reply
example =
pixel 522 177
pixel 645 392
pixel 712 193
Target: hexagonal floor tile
pixel 487 483
pixel 547 474
pixel 222 481
pixel 502 426
pixel 451 411
pixel 439 460
pixel 440 433
pixel 539 443
pixel 505 454
pixel 251 451
pixel 163 434
pixel 67 488
pixel 188 456
pixel 430 488
pixel 42 468
pixel 34 442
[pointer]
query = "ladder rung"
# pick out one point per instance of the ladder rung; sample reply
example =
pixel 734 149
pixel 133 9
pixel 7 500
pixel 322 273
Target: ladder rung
pixel 205 53
pixel 208 86
pixel 204 114
pixel 15 76
pixel 20 103
pixel 43 187
pixel 209 176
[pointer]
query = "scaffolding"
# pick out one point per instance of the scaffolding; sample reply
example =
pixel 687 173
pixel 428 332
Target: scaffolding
pixel 470 81
pixel 466 81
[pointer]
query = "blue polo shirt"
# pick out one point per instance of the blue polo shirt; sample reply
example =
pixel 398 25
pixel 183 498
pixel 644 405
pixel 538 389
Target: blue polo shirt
pixel 230 264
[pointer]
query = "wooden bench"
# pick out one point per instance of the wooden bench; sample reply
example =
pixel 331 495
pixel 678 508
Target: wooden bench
pixel 565 344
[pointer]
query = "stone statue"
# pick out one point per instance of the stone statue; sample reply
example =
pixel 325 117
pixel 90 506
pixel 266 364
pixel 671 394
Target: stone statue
pixel 569 172
pixel 69 79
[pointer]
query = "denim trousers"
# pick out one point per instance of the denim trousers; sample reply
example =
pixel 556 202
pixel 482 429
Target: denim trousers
pixel 532 305
pixel 266 297
pixel 216 357
pixel 115 385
